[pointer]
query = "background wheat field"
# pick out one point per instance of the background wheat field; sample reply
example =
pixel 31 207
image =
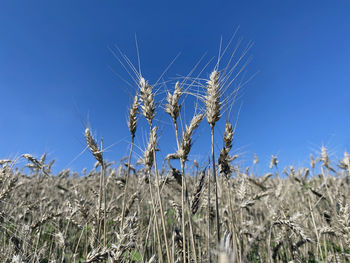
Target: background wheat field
pixel 302 217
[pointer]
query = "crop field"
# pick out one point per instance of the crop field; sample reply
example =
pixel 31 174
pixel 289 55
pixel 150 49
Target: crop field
pixel 69 218
pixel 145 213
pixel 176 210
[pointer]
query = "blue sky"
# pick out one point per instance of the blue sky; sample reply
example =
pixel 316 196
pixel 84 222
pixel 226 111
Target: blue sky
pixel 57 71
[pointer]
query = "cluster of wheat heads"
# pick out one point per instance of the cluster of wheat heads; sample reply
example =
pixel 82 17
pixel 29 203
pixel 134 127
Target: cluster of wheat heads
pixel 139 212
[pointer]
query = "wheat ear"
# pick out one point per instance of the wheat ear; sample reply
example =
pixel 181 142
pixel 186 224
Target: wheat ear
pixel 147 99
pixel 224 157
pixel 173 108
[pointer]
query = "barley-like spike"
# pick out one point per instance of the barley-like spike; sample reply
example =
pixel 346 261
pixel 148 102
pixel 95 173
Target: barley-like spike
pixel 147 99
pixel 152 144
pixel 176 174
pixel 228 137
pixel 294 227
pixel 312 161
pixel 130 203
pixel 96 152
pixel 197 194
pixel 132 121
pixel 32 159
pixel 186 142
pixel 224 157
pixel 212 98
pixel 97 255
pixel 43 158
pixel 274 161
pixel 177 210
pixel 5 161
pixel 324 157
pixel 173 107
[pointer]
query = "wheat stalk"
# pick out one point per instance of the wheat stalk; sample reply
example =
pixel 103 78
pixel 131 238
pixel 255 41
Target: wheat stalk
pixel 213 104
pixel 97 153
pixel 148 111
pixel 132 124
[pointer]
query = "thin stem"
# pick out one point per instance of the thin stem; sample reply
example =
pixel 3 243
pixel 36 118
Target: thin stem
pixel 233 226
pixel 183 214
pixel 182 197
pixel 160 200
pixel 208 241
pixel 127 181
pixel 216 186
pixel 100 204
pixel 188 212
pixel 79 239
pixel 155 221
pixel 161 207
pixel 184 190
pixel 176 134
pixel 103 167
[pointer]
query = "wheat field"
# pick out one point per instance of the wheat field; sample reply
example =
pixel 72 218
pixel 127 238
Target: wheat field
pixel 154 212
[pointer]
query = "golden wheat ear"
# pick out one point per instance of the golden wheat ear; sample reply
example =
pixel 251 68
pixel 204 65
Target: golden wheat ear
pixel 132 120
pixel 212 98
pixel 173 107
pixel 96 152
pixel 147 99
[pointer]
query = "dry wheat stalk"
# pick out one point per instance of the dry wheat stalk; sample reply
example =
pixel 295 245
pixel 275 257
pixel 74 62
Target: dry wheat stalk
pixel 132 124
pixel 97 153
pixel 213 105
pixel 183 151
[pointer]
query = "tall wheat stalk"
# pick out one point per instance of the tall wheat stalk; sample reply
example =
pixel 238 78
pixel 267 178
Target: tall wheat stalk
pixel 148 110
pixel 148 161
pixel 173 109
pixel 183 151
pixel 225 169
pixel 97 153
pixel 213 104
pixel 132 124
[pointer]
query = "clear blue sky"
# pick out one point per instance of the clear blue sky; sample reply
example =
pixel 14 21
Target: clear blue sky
pixel 56 68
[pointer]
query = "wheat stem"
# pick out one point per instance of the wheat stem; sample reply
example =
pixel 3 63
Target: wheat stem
pixel 208 241
pixel 216 186
pixel 155 221
pixel 159 199
pixel 127 182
